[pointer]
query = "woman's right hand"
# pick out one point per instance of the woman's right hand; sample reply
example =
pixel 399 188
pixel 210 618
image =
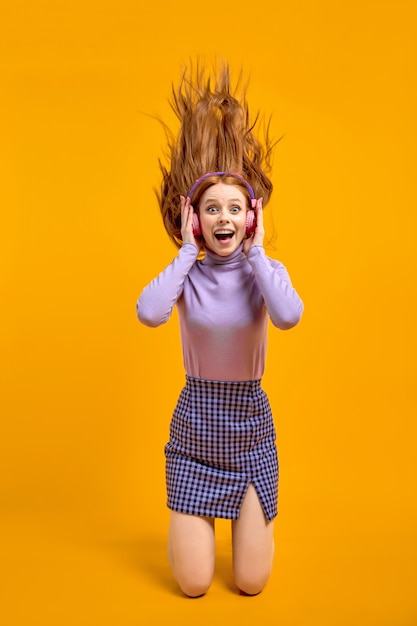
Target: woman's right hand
pixel 187 233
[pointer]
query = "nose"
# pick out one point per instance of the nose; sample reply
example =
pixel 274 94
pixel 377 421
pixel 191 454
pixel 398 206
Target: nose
pixel 223 216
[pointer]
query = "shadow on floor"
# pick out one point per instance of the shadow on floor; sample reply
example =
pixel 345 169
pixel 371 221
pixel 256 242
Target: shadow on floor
pixel 146 555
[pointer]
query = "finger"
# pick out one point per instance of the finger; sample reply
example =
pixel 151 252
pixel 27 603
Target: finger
pixel 184 210
pixel 190 211
pixel 187 220
pixel 259 213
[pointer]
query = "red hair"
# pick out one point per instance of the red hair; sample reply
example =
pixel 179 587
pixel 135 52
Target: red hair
pixel 216 134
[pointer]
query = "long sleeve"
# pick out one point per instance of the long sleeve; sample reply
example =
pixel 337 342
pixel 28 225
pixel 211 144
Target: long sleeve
pixel 157 300
pixel 282 301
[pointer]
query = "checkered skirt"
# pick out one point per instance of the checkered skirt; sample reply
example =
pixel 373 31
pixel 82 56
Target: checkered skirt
pixel 222 438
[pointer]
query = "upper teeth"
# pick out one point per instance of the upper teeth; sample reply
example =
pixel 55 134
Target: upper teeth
pixel 224 232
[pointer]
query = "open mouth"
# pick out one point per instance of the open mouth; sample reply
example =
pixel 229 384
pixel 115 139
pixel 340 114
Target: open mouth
pixel 223 235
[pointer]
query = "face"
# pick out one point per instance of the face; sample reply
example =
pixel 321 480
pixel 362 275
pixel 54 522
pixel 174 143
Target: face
pixel 222 215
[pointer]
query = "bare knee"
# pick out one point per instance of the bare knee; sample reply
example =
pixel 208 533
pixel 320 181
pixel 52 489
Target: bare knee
pixel 252 574
pixel 191 552
pixel 194 586
pixel 250 582
pixel 253 545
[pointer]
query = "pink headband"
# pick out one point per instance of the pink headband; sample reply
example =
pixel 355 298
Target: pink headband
pixel 200 180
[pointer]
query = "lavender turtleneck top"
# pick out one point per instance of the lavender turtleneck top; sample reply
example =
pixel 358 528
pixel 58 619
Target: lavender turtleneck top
pixel 223 305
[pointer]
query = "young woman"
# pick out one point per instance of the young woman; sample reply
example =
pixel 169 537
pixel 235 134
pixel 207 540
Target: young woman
pixel 221 458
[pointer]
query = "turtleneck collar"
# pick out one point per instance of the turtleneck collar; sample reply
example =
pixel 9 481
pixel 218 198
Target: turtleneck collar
pixel 234 259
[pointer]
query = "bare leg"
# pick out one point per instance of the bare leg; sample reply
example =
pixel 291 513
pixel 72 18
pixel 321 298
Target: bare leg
pixel 191 552
pixel 253 545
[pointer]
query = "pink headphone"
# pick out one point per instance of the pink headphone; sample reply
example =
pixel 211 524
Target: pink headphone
pixel 250 215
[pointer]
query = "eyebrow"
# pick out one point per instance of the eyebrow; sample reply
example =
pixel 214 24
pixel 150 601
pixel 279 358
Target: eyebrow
pixel 217 199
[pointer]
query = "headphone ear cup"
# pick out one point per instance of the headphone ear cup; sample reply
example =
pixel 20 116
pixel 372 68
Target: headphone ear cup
pixel 250 222
pixel 196 225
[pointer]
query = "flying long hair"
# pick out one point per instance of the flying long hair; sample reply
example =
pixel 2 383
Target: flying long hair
pixel 216 134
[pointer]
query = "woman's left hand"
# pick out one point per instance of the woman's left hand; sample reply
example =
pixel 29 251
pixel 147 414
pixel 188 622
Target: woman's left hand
pixel 257 238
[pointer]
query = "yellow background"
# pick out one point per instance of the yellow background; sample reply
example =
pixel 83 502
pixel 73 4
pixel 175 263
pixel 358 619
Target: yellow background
pixel 87 392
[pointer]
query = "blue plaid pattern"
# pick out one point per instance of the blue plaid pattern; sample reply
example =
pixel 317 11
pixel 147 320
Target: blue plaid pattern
pixel 222 438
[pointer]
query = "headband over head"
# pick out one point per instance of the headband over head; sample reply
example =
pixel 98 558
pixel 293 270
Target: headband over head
pixel 200 180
